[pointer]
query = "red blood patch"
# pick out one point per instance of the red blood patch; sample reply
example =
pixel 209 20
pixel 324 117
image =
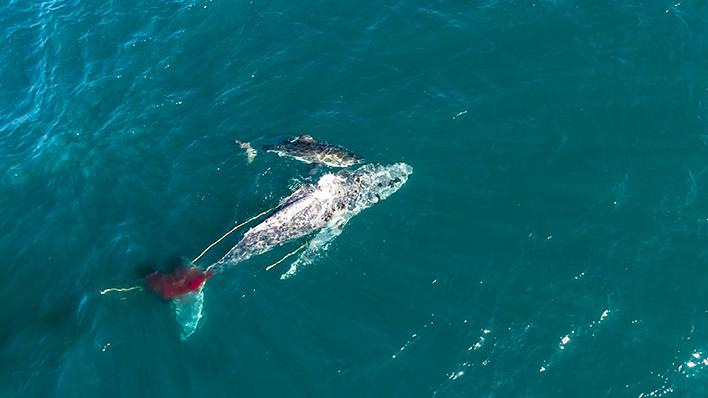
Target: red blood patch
pixel 179 282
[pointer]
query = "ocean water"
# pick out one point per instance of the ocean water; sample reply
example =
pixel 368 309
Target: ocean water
pixel 552 241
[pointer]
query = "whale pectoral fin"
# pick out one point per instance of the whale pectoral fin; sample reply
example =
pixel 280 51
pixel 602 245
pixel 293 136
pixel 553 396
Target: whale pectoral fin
pixel 314 168
pixel 188 311
pixel 314 248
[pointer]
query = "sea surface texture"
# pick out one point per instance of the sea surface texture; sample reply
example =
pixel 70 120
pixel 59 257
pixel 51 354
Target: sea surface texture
pixel 551 242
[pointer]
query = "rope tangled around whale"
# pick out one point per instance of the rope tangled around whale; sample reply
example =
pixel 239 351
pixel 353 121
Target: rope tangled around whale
pixel 229 233
pixel 232 230
pixel 121 289
pixel 286 256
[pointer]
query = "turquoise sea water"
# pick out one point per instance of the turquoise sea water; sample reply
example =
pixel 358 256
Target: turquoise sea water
pixel 552 241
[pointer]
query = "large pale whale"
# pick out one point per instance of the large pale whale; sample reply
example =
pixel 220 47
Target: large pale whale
pixel 328 204
pixel 319 210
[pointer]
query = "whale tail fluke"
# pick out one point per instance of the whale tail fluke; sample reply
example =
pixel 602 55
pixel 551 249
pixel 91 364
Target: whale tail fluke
pixel 184 287
pixel 250 151
pixel 188 311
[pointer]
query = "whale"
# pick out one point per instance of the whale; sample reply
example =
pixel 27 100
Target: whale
pixel 325 205
pixel 318 210
pixel 306 149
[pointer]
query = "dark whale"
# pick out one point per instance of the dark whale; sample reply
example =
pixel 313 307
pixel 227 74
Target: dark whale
pixel 306 149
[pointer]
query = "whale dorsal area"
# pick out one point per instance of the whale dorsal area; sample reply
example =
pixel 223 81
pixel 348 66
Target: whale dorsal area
pixel 305 138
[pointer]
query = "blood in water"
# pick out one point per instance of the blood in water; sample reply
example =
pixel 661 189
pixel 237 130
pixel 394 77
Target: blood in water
pixel 179 282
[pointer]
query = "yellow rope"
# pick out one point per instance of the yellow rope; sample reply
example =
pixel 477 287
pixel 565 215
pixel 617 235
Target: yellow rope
pixel 286 256
pixel 121 289
pixel 128 289
pixel 229 233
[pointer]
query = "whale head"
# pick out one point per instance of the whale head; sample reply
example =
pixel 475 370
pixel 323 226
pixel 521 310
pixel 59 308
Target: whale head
pixel 372 183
